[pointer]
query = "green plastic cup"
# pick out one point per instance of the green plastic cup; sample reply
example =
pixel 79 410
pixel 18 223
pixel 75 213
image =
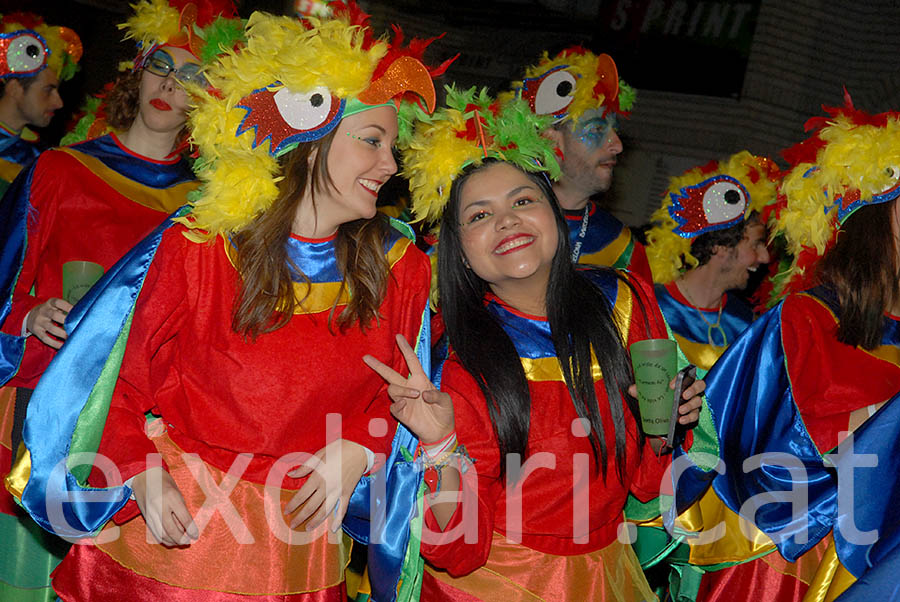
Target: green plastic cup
pixel 78 278
pixel 655 363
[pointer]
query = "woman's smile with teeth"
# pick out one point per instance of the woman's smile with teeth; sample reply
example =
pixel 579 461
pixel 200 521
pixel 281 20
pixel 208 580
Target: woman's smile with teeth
pixel 370 185
pixel 511 244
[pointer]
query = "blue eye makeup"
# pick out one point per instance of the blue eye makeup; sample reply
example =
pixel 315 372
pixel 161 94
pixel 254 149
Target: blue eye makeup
pixel 162 64
pixel 595 132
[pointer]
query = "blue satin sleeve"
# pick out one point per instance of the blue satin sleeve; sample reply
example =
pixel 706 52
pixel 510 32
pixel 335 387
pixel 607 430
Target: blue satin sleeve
pixel 767 454
pixel 867 530
pixel 383 506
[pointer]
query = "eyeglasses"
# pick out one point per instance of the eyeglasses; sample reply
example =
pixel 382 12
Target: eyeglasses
pixel 161 64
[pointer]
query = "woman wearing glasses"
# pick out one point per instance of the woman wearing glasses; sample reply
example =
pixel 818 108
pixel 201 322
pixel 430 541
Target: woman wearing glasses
pixel 94 200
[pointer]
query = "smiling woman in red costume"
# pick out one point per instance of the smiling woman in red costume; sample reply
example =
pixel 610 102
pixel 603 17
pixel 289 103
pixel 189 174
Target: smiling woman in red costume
pixel 530 335
pixel 251 309
pixel 93 202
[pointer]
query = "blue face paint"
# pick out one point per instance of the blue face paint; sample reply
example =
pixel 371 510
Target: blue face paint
pixel 595 128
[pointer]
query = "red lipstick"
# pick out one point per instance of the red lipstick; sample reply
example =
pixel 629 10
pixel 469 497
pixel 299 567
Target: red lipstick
pixel 509 239
pixel 160 104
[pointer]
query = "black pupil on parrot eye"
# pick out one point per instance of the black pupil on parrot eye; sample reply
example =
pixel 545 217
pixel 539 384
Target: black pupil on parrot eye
pixel 732 197
pixel 316 100
pixel 32 50
pixel 564 88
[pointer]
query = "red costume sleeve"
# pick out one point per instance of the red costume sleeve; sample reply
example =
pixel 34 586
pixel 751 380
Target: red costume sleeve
pixel 639 264
pixel 447 548
pixel 47 187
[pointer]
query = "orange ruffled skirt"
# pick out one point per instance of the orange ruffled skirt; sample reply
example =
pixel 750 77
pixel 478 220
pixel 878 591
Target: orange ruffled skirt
pixel 245 551
pixel 515 573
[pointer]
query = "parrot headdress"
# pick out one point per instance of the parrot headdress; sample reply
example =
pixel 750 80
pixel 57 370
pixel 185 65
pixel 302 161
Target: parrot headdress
pixel 571 83
pixel 711 197
pixel 852 159
pixel 202 27
pixel 292 82
pixel 470 128
pixel 28 45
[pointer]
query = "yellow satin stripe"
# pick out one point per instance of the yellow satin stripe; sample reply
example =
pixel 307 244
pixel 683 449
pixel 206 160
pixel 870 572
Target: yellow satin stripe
pixel 548 368
pixel 166 200
pixel 609 254
pixel 623 309
pixel 831 579
pixel 18 477
pixel 888 353
pixel 702 355
pixel 357 584
pixel 28 136
pixel 321 295
pixel 9 170
pixel 741 541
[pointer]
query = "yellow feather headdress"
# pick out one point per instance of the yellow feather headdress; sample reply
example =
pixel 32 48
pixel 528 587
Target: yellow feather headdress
pixel 571 83
pixel 28 45
pixel 292 82
pixel 711 197
pixel 469 129
pixel 851 160
pixel 199 26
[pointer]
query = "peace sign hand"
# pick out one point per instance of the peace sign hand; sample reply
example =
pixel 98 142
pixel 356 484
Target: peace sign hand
pixel 423 409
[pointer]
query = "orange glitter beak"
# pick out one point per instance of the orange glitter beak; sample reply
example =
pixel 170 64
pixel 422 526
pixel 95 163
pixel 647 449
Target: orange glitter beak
pixel 608 75
pixel 406 74
pixel 73 43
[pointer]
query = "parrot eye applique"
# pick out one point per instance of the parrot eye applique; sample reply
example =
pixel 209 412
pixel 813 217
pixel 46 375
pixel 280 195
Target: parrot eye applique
pixel 851 201
pixel 286 118
pixel 713 204
pixel 303 110
pixel 23 52
pixel 724 201
pixel 893 173
pixel 551 93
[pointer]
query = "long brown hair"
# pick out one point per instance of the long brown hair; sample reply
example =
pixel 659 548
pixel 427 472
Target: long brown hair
pixel 861 269
pixel 266 299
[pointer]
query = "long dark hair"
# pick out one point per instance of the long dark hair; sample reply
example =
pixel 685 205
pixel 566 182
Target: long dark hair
pixel 861 269
pixel 581 321
pixel 266 298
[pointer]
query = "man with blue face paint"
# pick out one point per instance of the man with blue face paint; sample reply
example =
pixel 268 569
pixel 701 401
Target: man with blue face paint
pixel 584 95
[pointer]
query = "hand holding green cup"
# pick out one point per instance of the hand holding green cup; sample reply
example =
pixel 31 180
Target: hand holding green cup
pixel 655 363
pixel 78 278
